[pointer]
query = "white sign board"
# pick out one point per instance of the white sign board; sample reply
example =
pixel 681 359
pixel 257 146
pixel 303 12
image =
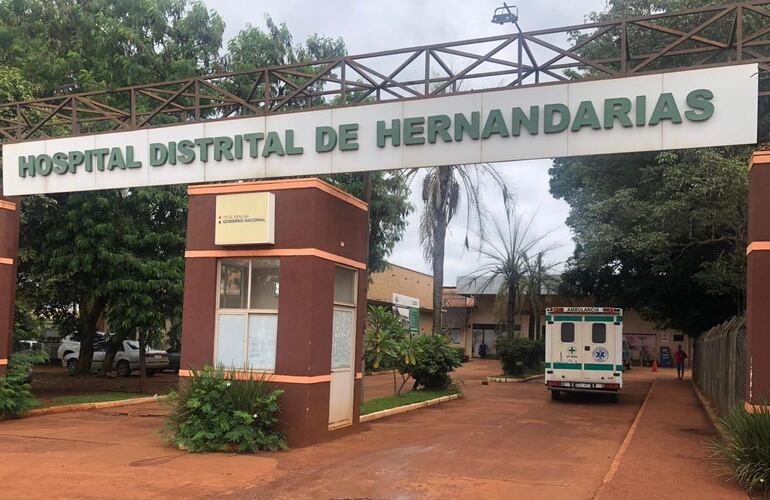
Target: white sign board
pixel 683 109
pixel 246 218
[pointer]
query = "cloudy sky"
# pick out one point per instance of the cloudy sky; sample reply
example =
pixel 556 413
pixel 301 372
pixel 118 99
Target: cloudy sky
pixel 369 26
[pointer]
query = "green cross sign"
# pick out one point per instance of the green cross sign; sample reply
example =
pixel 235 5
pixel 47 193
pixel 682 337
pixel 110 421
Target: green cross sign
pixel 572 350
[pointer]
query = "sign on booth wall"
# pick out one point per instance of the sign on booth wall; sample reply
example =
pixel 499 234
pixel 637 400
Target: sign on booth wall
pixel 683 109
pixel 243 219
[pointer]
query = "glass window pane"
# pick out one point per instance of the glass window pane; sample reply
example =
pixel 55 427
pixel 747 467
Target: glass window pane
pixel 231 329
pixel 599 333
pixel 345 285
pixel 342 338
pixel 568 332
pixel 264 283
pixel 234 284
pixel 263 334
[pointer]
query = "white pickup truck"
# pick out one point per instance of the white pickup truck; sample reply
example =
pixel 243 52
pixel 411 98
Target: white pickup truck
pixel 126 359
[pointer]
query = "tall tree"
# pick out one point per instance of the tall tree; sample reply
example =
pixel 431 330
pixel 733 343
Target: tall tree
pixel 663 233
pixel 505 256
pixel 147 294
pixel 443 189
pixel 72 250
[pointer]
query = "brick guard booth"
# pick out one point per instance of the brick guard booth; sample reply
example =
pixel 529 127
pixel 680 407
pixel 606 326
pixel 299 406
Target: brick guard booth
pixel 9 249
pixel 290 307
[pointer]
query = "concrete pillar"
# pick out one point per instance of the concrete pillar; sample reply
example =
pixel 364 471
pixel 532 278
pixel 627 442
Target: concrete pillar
pixel 9 250
pixel 758 280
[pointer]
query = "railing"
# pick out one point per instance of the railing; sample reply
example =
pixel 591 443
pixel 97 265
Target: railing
pixel 697 38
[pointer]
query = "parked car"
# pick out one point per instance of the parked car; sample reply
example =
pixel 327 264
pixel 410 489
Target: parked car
pixel 27 345
pixel 126 359
pixel 174 360
pixel 71 343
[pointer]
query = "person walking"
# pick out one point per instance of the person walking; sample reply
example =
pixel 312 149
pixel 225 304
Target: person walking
pixel 679 357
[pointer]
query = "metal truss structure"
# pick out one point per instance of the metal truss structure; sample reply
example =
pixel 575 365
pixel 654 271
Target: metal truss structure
pixel 722 35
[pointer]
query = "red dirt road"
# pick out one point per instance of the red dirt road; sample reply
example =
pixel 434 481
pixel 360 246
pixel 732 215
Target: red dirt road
pixel 500 441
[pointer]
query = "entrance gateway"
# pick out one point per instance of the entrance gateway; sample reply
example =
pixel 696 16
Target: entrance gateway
pixel 307 334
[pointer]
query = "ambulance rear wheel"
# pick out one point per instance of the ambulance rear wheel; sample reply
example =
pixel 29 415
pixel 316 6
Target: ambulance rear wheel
pixel 556 395
pixel 614 397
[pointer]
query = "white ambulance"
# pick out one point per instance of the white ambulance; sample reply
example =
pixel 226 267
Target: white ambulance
pixel 584 350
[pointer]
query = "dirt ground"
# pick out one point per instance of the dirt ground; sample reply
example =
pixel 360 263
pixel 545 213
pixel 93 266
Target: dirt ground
pixel 52 381
pixel 500 441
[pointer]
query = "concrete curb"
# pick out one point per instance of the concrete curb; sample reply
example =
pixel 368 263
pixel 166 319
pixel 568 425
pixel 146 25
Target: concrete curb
pixel 506 380
pixel 710 412
pixel 51 410
pixel 407 408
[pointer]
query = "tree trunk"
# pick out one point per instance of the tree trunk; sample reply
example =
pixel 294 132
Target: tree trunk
pixel 439 240
pixel 89 315
pixel 511 306
pixel 142 359
pixel 109 359
pixel 112 350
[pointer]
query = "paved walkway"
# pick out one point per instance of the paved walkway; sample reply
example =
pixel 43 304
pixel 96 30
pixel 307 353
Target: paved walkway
pixel 501 441
pixel 667 455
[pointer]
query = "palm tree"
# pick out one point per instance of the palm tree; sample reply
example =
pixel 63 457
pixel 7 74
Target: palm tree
pixel 442 190
pixel 538 276
pixel 506 252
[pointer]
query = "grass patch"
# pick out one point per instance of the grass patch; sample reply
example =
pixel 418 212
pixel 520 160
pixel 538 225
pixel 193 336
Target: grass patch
pixel 407 398
pixel 94 398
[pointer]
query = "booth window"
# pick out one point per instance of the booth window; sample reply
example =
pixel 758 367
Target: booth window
pixel 344 318
pixel 247 314
pixel 598 333
pixel 568 332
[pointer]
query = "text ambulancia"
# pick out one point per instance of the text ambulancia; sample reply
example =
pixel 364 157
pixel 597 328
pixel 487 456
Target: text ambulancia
pixel 584 350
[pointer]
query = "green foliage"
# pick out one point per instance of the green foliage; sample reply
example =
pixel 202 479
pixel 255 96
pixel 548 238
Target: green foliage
pixel 88 252
pixel 519 355
pixel 213 411
pixel 107 43
pixel 662 233
pixel 16 397
pixel 513 254
pixel 383 331
pixel 119 254
pixel 744 448
pixel 407 398
pixel 435 359
pixel 13 86
pixel 389 346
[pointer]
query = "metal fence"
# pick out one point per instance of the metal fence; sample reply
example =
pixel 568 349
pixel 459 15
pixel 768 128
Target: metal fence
pixel 720 366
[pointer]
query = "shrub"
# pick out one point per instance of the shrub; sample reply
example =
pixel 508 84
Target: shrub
pixel 744 447
pixel 16 396
pixel 434 359
pixel 519 354
pixel 215 412
pixel 460 353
